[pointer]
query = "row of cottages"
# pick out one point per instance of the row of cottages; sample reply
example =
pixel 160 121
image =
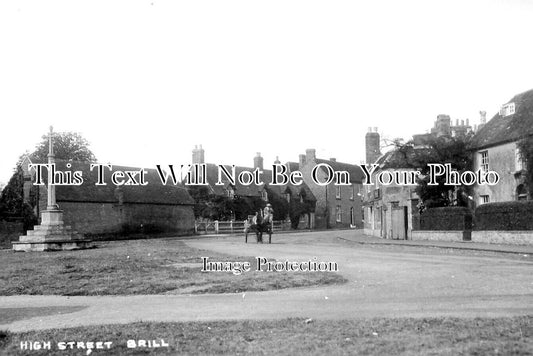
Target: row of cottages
pixel 107 209
pixel 252 192
pixel 333 206
pixel 495 148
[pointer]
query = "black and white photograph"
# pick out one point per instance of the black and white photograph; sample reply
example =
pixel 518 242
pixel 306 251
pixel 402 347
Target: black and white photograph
pixel 266 177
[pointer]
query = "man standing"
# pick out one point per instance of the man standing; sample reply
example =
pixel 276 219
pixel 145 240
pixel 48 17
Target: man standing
pixel 268 214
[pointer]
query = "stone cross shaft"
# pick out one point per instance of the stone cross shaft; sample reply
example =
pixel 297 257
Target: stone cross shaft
pixel 51 204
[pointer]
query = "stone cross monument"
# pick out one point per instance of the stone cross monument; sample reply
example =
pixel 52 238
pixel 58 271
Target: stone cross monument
pixel 51 234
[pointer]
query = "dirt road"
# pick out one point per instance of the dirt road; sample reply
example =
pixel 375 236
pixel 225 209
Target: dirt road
pixel 383 281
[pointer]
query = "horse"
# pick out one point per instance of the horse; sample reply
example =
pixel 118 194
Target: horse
pixel 258 225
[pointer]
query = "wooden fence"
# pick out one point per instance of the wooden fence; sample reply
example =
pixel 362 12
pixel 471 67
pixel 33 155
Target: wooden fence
pixel 232 227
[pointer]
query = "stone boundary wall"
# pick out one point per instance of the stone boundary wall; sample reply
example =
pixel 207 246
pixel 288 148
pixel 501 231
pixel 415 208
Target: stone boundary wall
pixel 503 237
pixel 440 235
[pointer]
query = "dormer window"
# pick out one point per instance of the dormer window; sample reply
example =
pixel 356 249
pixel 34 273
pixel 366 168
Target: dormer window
pixel 230 192
pixel 264 195
pixel 507 109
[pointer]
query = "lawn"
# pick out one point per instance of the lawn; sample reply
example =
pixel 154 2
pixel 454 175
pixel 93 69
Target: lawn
pixel 155 266
pixel 382 336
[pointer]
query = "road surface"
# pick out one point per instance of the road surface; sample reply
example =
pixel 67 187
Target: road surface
pixel 384 281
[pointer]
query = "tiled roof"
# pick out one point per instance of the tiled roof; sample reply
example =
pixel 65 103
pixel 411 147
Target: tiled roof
pixel 253 190
pixel 152 193
pixel 504 129
pixel 356 173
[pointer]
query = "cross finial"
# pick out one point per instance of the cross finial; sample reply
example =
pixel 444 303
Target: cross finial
pixel 50 144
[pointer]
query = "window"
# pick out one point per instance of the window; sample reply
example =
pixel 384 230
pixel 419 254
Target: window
pixel 484 161
pixel 338 191
pixel 288 197
pixel 264 195
pixel 483 199
pixel 507 109
pixel 519 164
pixel 338 213
pixel 230 192
pixel 352 193
pixel 521 192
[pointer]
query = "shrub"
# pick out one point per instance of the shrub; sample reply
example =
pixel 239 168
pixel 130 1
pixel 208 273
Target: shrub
pixel 446 218
pixel 512 215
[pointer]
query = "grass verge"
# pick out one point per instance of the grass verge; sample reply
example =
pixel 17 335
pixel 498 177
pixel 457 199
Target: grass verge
pixel 382 336
pixel 155 266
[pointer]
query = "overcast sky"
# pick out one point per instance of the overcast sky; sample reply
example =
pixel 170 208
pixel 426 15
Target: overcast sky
pixel 144 81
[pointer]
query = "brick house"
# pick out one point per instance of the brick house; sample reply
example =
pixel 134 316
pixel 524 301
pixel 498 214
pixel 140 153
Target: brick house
pixel 109 209
pixel 336 205
pixel 495 148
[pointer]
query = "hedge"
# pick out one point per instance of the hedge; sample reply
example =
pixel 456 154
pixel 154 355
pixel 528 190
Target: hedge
pixel 512 215
pixel 448 218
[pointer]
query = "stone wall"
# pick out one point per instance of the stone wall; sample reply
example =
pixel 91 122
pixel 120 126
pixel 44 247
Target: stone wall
pixel 440 235
pixel 107 218
pixel 503 237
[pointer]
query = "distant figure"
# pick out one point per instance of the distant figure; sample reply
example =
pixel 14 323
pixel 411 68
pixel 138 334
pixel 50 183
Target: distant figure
pixel 268 214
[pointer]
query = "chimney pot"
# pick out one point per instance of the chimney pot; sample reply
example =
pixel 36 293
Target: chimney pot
pixel 301 160
pixel 198 155
pixel 258 161
pixel 310 154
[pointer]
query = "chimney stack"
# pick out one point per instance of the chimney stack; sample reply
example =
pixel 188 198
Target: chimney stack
pixel 372 148
pixel 333 159
pixel 198 155
pixel 258 161
pixel 310 154
pixel 483 117
pixel 301 161
pixel 277 160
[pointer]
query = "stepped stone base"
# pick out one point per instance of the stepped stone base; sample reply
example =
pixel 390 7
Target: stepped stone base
pixel 51 235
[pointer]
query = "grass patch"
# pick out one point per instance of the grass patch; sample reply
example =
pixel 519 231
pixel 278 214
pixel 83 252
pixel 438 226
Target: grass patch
pixel 381 336
pixel 138 267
